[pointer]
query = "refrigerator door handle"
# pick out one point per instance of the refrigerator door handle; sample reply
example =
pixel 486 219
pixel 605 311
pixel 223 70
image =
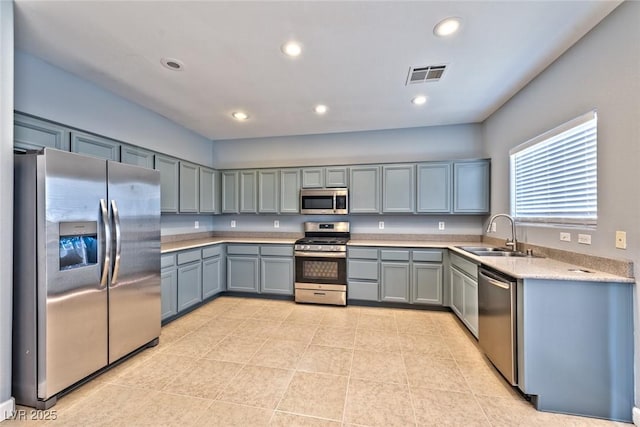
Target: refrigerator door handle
pixel 116 222
pixel 106 244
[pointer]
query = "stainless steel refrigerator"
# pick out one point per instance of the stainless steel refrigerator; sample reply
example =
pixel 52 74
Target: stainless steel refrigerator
pixel 86 269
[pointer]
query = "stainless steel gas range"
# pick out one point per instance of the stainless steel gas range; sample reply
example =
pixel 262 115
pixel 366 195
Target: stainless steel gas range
pixel 321 263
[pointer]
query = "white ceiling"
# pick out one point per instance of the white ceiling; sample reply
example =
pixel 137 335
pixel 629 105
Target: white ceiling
pixel 355 59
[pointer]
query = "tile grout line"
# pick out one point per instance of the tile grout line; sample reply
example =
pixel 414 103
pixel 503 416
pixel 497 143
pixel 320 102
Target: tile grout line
pixel 404 365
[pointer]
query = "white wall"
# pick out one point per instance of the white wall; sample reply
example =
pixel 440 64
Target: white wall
pixel 601 71
pixel 6 205
pixel 49 92
pixel 396 145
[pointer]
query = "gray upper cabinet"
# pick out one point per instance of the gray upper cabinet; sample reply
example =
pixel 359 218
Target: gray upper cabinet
pixel 168 168
pixel 268 192
pixel 398 183
pixel 364 190
pixel 230 192
pixel 336 176
pixel 209 190
pixel 471 180
pixel 434 187
pixel 136 156
pixel 34 134
pixel 189 187
pixel 248 192
pixel 313 177
pixel 289 191
pixel 96 146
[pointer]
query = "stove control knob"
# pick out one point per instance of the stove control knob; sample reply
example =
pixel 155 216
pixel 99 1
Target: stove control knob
pixel 307 247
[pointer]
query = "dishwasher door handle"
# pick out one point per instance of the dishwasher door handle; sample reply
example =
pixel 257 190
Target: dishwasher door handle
pixel 494 282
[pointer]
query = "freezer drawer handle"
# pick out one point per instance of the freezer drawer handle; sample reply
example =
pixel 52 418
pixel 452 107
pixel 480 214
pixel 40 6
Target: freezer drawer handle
pixel 116 221
pixel 106 244
pixel 320 293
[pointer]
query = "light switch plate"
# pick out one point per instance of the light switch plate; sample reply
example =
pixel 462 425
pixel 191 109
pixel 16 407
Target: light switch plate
pixel 565 237
pixel 441 225
pixel 233 223
pixel 381 225
pixel 585 239
pixel 196 224
pixel 621 239
pixel 276 223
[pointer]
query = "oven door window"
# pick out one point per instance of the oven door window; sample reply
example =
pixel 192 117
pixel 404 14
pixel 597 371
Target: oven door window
pixel 321 270
pixel 317 202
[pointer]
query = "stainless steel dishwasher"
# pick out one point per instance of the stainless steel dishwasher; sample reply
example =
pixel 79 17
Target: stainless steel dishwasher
pixel 497 321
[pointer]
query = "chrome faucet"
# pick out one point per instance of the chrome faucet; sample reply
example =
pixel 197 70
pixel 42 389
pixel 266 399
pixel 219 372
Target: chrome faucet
pixel 512 242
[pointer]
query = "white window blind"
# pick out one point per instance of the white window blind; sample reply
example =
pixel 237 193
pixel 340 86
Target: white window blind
pixel 554 176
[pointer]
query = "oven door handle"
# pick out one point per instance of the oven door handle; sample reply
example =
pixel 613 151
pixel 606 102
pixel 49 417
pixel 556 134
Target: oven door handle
pixel 320 254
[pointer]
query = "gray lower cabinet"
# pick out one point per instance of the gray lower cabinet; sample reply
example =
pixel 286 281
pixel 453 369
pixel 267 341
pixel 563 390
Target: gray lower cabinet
pixel 242 273
pixel 264 269
pixel 213 277
pixel 268 191
pixel 464 291
pixel 364 190
pixel 209 191
pixel 96 146
pixel 169 182
pixel 395 277
pixel 471 181
pixel 33 134
pixel 189 187
pixel 248 192
pixel 426 283
pixel 313 177
pixel 276 275
pixel 289 191
pixel 169 286
pixel 457 292
pixel 398 188
pixel 230 192
pixel 470 297
pixel 189 283
pixel 434 187
pixel 363 274
pixel 136 156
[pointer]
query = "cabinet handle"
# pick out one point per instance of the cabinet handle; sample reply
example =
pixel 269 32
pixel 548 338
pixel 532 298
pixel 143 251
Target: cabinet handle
pixel 319 293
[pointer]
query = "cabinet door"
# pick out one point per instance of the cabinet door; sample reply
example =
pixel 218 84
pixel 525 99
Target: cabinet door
pixel 242 273
pixel 290 191
pixel 168 169
pixel 96 146
pixel 457 292
pixel 212 282
pixel 471 182
pixel 434 187
pixel 471 305
pixel 364 192
pixel 395 281
pixel 276 275
pixel 268 191
pixel 189 285
pixel 426 284
pixel 398 184
pixel 189 187
pixel 230 192
pixel 312 177
pixel 34 134
pixel 169 289
pixel 248 192
pixel 336 177
pixel 209 191
pixel 136 156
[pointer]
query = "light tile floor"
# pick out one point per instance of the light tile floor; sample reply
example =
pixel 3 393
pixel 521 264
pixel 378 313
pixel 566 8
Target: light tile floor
pixel 257 362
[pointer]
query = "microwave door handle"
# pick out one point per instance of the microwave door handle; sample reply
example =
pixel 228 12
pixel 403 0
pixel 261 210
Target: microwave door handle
pixel 335 203
pixel 118 232
pixel 106 244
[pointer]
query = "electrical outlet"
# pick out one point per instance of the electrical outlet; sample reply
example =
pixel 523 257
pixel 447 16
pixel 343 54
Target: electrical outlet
pixel 441 225
pixel 196 224
pixel 621 239
pixel 233 223
pixel 585 239
pixel 493 227
pixel 381 225
pixel 276 223
pixel 565 237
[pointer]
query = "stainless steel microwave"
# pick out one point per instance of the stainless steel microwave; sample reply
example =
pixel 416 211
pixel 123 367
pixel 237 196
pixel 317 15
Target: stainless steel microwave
pixel 329 201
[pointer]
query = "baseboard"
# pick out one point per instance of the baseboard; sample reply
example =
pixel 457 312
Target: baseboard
pixel 636 416
pixel 7 409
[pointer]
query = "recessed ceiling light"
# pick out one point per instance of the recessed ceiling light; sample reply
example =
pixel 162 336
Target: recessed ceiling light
pixel 320 109
pixel 419 100
pixel 240 115
pixel 447 27
pixel 172 64
pixel 291 48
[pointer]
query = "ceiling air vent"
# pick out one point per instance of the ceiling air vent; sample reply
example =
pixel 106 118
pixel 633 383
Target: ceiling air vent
pixel 428 73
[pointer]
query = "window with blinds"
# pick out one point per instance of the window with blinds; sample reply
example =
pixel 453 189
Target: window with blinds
pixel 554 176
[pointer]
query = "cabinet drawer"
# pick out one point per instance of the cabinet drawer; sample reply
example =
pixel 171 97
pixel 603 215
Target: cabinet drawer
pixel 168 260
pixel 427 256
pixel 242 249
pixel 367 291
pixel 188 256
pixel 394 255
pixel 363 253
pixel 211 251
pixel 465 265
pixel 367 270
pixel 276 250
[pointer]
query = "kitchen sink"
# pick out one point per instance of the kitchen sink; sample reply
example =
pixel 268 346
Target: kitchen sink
pixel 494 252
pixel 483 249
